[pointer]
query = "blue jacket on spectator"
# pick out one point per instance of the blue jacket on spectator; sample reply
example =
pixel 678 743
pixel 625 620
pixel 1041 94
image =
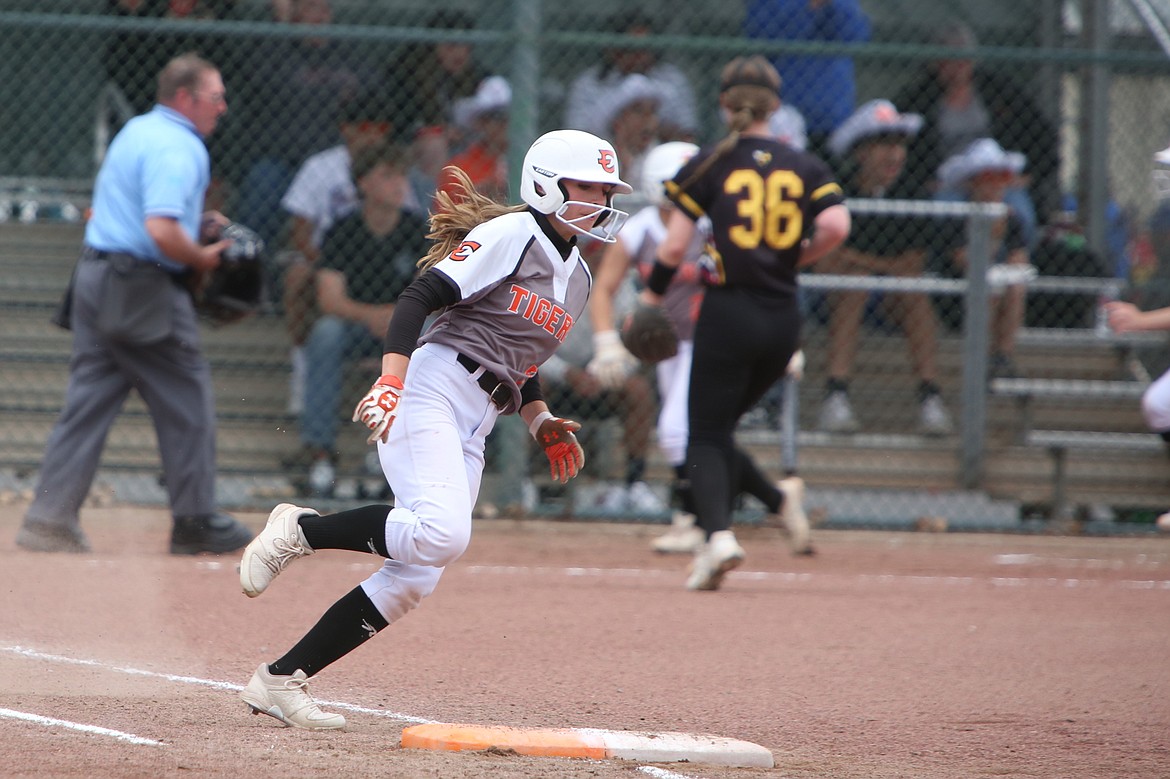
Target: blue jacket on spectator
pixel 821 87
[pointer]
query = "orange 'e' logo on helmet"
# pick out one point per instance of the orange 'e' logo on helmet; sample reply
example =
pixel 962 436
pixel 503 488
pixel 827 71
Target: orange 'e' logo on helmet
pixel 606 160
pixel 463 251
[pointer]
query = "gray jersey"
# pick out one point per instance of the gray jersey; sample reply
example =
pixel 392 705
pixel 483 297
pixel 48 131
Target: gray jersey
pixel 640 236
pixel 518 298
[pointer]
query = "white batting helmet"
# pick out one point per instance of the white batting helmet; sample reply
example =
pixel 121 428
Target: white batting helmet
pixel 661 164
pixel 578 156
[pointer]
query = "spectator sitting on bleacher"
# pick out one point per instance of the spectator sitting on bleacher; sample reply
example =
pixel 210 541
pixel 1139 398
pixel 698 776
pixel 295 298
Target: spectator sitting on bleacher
pixel 435 76
pixel 367 259
pixel 960 102
pixel 568 385
pixel 983 173
pixel 484 117
pixel 293 88
pixel 322 192
pixel 871 144
pixel 677 116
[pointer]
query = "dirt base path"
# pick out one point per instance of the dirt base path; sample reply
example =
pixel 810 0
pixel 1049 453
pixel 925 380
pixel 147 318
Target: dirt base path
pixel 908 656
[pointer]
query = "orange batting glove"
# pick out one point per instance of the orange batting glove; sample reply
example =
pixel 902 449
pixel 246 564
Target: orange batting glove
pixel 565 455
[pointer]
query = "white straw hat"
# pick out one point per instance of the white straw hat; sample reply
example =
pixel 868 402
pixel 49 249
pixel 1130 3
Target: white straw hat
pixel 981 156
pixel 633 88
pixel 877 117
pixel 493 94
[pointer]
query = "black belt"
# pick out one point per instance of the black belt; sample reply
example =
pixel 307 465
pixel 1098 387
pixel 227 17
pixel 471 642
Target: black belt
pixel 498 392
pixel 101 255
pixel 90 253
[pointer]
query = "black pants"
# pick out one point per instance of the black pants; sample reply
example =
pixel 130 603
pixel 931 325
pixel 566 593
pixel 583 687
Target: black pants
pixel 743 343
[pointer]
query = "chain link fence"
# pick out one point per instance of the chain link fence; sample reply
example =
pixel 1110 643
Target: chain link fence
pixel 927 393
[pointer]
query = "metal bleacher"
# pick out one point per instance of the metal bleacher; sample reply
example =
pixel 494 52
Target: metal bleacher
pixel 250 369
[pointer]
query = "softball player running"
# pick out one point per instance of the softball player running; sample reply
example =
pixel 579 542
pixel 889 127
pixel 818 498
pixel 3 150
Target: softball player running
pixel 509 282
pixel 772 209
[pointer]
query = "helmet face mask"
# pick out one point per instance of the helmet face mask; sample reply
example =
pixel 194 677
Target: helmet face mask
pixel 573 155
pixel 602 222
pixel 661 164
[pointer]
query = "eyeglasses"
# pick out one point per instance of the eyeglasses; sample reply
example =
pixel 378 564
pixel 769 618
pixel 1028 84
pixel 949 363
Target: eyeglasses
pixel 212 97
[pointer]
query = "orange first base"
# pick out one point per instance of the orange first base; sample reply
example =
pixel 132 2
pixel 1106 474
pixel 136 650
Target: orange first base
pixel 590 743
pixel 551 742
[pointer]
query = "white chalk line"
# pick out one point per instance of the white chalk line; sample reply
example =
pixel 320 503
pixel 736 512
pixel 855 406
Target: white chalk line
pixel 52 722
pixel 661 773
pixel 194 680
pixel 36 655
pixel 781 577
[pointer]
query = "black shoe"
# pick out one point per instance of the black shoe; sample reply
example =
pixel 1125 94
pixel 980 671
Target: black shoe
pixel 302 459
pixel 1002 367
pixel 214 534
pixel 41 537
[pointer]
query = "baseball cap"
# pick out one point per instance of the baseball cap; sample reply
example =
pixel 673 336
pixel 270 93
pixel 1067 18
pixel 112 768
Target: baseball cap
pixel 873 119
pixel 493 94
pixel 981 156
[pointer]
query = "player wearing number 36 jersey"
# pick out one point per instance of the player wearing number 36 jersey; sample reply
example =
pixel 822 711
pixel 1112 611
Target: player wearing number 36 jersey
pixel 509 283
pixel 773 209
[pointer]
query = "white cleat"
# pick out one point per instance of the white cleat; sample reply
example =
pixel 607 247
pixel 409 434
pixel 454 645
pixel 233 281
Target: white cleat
pixel 279 543
pixel 682 538
pixel 287 699
pixel 714 559
pixel 792 515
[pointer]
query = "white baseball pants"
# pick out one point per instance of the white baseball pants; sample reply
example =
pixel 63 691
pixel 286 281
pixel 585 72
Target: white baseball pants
pixel 433 460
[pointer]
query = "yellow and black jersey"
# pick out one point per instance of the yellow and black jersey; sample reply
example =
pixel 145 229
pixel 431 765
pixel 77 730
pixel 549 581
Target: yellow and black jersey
pixel 762 198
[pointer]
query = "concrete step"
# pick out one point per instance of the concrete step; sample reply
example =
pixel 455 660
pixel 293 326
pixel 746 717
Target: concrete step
pixel 243 446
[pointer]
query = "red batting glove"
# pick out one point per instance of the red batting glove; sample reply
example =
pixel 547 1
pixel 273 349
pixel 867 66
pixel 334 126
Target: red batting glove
pixel 565 455
pixel 379 407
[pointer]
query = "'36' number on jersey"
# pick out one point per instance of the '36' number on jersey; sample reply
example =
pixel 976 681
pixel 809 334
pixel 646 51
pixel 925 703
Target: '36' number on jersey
pixel 768 207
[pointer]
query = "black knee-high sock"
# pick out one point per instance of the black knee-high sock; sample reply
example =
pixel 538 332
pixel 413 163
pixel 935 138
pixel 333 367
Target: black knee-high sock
pixel 346 625
pixel 357 530
pixel 681 490
pixel 754 483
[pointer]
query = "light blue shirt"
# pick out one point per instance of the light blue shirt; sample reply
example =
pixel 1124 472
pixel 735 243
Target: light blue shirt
pixel 157 165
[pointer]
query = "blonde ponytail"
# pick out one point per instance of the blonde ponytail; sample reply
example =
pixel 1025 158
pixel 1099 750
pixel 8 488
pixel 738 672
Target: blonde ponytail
pixel 455 216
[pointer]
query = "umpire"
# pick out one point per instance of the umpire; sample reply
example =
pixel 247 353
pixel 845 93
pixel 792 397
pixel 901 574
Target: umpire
pixel 134 322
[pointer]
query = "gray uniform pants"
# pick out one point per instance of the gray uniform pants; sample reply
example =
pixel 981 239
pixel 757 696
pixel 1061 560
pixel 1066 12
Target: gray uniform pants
pixel 161 359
